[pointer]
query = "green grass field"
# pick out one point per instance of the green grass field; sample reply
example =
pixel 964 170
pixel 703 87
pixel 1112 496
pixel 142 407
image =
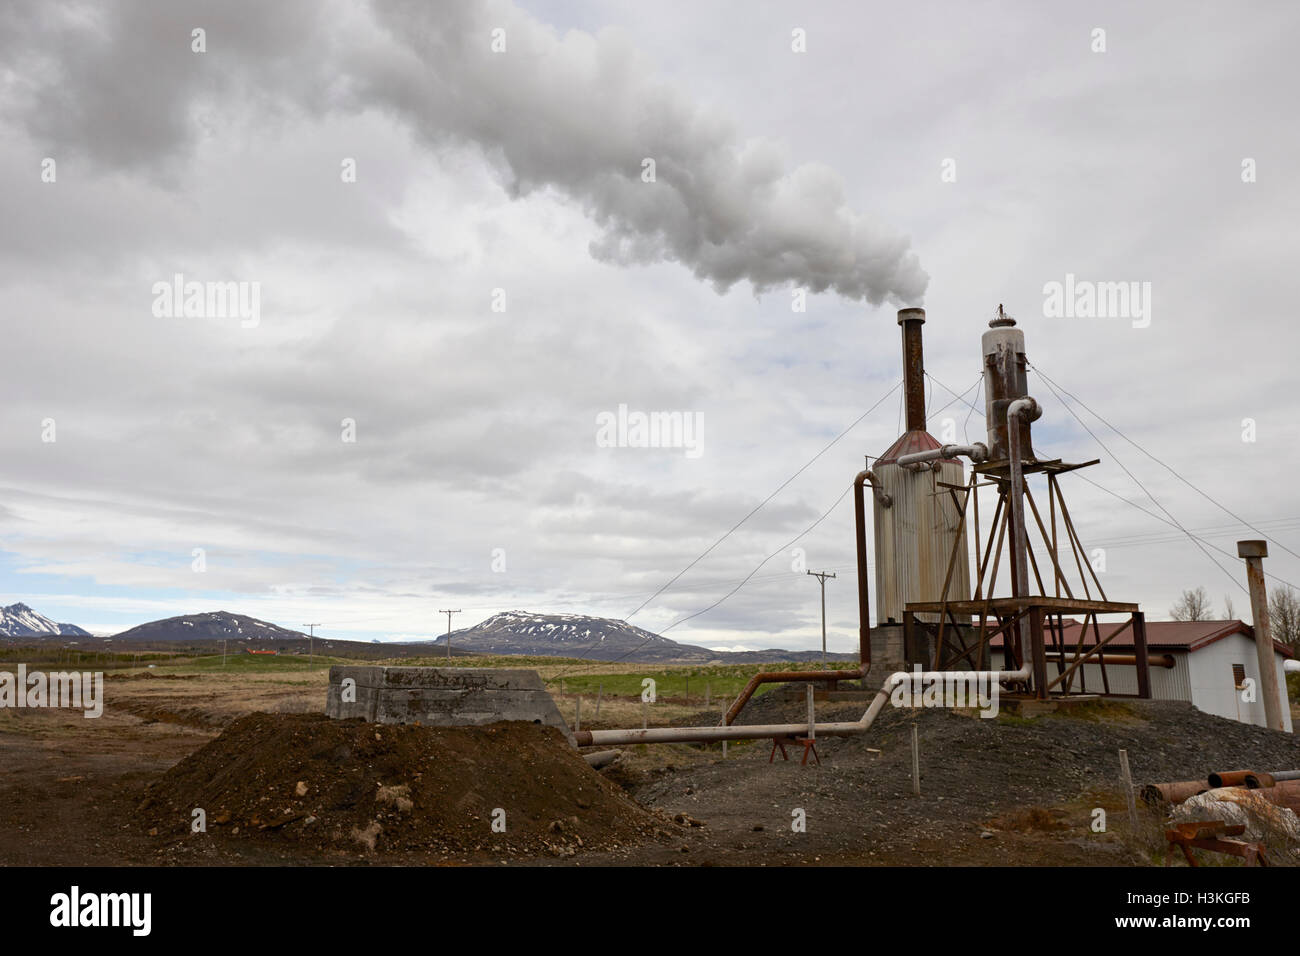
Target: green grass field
pixel 571 676
pixel 722 680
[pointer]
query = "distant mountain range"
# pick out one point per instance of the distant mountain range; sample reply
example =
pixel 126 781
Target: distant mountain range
pixel 18 620
pixel 570 635
pixel 597 638
pixel 509 632
pixel 209 626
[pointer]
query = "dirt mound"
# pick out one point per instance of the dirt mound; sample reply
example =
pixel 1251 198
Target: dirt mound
pixel 350 787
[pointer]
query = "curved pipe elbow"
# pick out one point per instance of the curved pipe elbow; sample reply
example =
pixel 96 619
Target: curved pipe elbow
pixel 869 476
pixel 1026 408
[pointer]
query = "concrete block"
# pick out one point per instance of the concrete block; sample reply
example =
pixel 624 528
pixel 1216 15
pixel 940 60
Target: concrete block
pixel 443 696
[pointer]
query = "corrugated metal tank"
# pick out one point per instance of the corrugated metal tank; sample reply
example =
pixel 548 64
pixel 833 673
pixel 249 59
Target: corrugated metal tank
pixel 914 536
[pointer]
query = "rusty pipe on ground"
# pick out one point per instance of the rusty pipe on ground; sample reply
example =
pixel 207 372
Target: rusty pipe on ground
pixel 602 758
pixel 1230 778
pixel 666 735
pixel 1154 794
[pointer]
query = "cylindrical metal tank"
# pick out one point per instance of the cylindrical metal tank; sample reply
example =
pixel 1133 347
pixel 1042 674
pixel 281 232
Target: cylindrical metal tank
pixel 915 535
pixel 1003 346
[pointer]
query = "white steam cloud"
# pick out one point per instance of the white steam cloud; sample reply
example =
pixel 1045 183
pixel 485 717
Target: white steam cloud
pixel 580 113
pixel 577 113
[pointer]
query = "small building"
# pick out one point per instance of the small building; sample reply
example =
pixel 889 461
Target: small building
pixel 1206 663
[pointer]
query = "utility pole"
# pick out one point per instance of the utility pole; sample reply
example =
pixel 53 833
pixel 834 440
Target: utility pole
pixel 821 576
pixel 311 644
pixel 223 652
pixel 449 614
pixel 1255 552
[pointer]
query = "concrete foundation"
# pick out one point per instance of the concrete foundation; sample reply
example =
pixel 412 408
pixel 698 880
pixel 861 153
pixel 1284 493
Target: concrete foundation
pixel 441 696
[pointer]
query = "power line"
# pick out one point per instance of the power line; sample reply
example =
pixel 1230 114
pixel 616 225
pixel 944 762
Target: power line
pixel 742 583
pixel 757 507
pixel 1195 540
pixel 1157 517
pixel 745 581
pixel 1172 471
pixel 956 397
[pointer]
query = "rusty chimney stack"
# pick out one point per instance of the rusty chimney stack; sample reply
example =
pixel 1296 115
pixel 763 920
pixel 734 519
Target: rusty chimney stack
pixel 913 367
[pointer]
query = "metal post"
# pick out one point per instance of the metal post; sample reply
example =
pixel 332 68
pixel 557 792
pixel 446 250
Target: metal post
pixel 822 576
pixel 1254 552
pixel 916 761
pixel 311 645
pixel 600 692
pixel 577 720
pixel 449 614
pixel 1143 659
pixel 1129 796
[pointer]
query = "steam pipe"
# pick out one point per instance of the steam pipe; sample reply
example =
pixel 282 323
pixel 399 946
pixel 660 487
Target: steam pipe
pixel 786 677
pixel 1153 660
pixel 668 735
pixel 977 453
pixel 864 592
pixel 1028 409
pixel 864 612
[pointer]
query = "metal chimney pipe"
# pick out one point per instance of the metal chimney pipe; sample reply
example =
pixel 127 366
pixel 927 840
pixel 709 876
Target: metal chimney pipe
pixel 913 367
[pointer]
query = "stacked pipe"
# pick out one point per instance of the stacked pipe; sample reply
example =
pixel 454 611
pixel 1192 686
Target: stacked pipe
pixel 1279 787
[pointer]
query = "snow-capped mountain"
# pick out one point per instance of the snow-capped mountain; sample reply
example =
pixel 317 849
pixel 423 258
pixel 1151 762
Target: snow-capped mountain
pixel 571 635
pixel 18 620
pixel 210 625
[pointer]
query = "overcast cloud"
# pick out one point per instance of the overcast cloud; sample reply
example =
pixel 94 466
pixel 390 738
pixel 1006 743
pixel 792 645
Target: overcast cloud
pixel 955 156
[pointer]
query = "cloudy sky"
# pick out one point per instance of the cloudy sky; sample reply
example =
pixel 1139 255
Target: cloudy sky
pixel 461 265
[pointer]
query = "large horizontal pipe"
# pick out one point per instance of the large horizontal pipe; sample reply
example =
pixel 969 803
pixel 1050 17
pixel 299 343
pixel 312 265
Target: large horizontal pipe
pixel 1258 780
pixel 1283 795
pixel 601 758
pixel 1230 778
pixel 1291 667
pixel 781 677
pixel 977 453
pixel 860 481
pixel 1154 660
pixel 667 735
pixel 1154 794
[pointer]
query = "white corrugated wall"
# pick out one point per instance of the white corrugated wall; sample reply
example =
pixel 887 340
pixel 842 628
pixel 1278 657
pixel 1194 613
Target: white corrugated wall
pixel 914 539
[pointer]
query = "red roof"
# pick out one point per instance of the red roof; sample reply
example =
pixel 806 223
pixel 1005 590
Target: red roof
pixel 909 444
pixel 1170 635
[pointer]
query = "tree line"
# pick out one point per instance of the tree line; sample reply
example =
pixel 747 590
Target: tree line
pixel 1283 611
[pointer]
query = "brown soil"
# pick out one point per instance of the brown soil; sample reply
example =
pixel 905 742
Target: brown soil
pixel 347 787
pixel 1003 791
